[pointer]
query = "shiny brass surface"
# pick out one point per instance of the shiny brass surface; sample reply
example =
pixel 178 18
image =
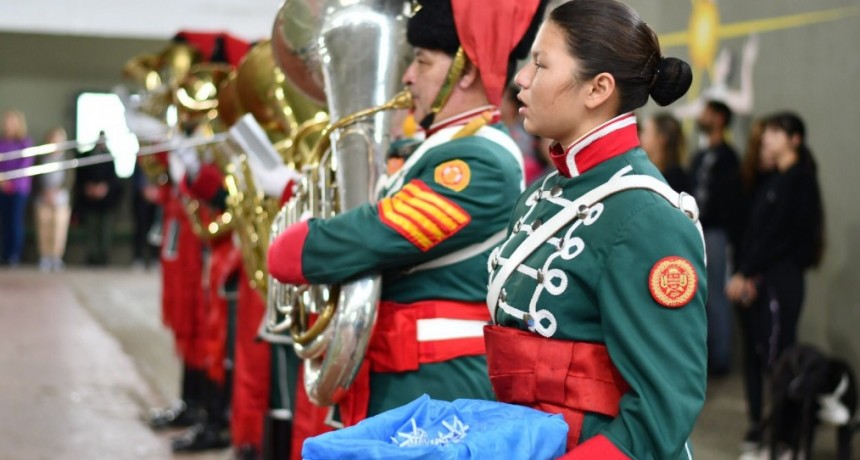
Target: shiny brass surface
pixel 197 94
pixel 263 91
pixel 175 61
pixel 296 151
pixel 143 70
pixel 251 211
pixel 401 100
pixel 294 42
pixel 229 106
pixel 214 229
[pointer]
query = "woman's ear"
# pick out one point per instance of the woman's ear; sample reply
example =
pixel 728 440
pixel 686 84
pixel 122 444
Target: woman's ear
pixel 599 90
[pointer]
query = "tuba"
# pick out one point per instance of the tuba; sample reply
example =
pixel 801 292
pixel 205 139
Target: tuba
pixel 362 48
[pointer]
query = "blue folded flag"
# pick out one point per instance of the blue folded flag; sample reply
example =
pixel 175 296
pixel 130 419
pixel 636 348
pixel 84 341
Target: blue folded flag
pixel 463 429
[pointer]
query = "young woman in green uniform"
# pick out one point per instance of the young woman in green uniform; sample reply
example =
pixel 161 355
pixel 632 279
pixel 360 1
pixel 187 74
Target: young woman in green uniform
pixel 598 292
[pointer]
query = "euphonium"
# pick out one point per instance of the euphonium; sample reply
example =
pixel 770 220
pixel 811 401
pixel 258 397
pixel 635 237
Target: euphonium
pixel 281 111
pixel 197 98
pixel 229 107
pixel 264 92
pixel 197 94
pixel 158 77
pixel 362 49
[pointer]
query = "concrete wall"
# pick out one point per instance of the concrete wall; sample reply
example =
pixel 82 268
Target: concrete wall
pixel 42 75
pixel 249 19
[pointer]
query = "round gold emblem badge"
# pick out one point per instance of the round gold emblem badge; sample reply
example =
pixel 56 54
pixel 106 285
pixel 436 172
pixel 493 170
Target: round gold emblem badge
pixel 673 282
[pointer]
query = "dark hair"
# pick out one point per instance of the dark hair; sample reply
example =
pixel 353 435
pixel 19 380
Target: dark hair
pixel 722 110
pixel 788 122
pixel 791 124
pixel 608 36
pixel 751 164
pixel 670 128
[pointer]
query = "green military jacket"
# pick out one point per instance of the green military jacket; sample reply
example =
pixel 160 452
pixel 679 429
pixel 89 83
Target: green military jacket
pixel 451 197
pixel 599 280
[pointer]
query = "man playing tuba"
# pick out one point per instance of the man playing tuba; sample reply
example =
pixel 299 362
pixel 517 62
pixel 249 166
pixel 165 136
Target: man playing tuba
pixel 437 218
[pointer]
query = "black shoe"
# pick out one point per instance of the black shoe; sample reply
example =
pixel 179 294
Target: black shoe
pixel 248 452
pixel 201 437
pixel 177 415
pixel 277 438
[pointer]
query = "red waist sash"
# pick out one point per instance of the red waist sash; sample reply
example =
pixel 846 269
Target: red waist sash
pixel 395 345
pixel 556 376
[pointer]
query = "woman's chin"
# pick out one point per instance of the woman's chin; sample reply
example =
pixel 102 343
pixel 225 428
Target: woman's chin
pixel 530 127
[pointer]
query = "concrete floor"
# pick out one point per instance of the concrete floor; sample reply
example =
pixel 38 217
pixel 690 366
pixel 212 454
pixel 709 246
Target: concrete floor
pixel 85 355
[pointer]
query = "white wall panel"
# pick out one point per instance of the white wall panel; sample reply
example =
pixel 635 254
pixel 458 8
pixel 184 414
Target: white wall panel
pixel 248 19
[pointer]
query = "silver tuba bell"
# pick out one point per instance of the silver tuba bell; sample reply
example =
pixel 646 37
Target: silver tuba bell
pixel 363 52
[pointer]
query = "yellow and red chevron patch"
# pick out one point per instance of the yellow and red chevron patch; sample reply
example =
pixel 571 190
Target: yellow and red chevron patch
pixel 421 215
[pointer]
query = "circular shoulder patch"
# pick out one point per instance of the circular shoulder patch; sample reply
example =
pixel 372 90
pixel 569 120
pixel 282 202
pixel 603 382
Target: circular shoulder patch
pixel 673 282
pixel 454 174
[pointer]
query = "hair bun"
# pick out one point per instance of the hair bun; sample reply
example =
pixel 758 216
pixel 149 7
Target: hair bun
pixel 672 81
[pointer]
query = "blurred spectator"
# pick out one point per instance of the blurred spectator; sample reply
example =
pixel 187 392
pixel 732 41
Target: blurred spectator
pixel 755 168
pixel 97 193
pixel 784 237
pixel 715 181
pixel 663 139
pixel 145 196
pixel 13 192
pixel 52 209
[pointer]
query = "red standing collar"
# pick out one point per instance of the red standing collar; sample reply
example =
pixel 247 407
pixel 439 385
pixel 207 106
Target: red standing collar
pixel 606 141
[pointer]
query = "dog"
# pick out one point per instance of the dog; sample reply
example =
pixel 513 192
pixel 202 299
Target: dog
pixel 806 389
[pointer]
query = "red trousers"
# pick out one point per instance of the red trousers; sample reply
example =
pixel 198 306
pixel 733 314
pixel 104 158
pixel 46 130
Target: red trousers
pixel 252 369
pixel 183 302
pixel 223 263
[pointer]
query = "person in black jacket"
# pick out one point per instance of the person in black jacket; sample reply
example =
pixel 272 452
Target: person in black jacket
pixel 716 184
pixel 783 238
pixel 97 193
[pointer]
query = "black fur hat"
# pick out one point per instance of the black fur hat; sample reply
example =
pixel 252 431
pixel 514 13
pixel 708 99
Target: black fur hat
pixel 488 28
pixel 432 27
